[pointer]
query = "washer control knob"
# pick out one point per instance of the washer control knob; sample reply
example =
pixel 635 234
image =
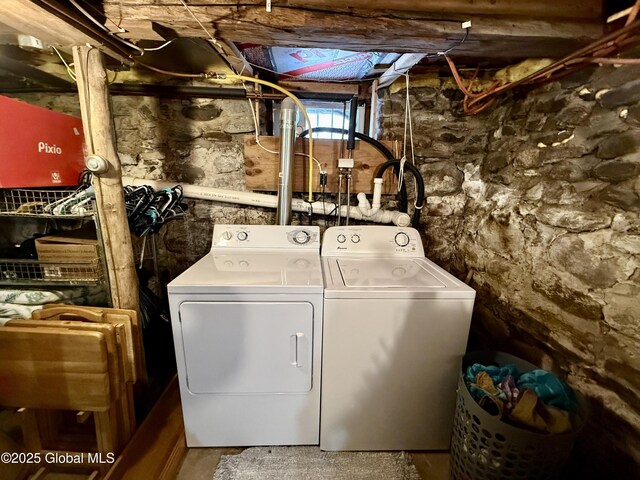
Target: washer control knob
pixel 243 263
pixel 402 239
pixel 242 236
pixel 227 235
pixel 355 238
pixel 341 238
pixel 301 237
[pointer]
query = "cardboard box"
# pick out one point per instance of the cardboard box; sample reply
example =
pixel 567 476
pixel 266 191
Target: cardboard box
pixel 38 147
pixel 78 248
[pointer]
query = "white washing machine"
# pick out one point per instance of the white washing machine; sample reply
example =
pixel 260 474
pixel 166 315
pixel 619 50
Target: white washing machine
pixel 247 326
pixel 395 330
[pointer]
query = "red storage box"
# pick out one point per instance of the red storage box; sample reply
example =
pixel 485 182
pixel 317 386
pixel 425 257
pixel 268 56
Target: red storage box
pixel 38 147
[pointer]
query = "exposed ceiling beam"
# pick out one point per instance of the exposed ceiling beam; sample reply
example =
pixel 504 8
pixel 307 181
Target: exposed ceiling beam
pixel 591 9
pixel 416 32
pixel 568 9
pixel 26 17
pixel 24 70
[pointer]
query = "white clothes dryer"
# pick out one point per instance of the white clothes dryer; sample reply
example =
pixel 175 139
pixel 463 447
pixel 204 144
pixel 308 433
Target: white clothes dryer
pixel 395 330
pixel 247 327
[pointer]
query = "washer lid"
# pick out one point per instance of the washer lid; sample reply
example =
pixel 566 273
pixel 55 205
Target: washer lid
pixel 238 271
pixel 386 272
pixel 390 277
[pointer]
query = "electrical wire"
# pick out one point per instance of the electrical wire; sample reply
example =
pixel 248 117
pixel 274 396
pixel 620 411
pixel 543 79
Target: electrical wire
pixel 243 79
pixel 302 109
pixel 254 114
pixel 446 52
pixel 92 7
pixel 102 27
pixel 71 73
pixel 155 49
pixel 211 37
pixel 596 52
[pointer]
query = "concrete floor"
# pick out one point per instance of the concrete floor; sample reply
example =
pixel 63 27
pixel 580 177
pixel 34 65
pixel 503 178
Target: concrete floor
pixel 201 463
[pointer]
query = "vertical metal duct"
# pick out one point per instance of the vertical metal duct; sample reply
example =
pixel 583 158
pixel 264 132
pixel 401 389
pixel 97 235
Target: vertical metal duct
pixel 288 113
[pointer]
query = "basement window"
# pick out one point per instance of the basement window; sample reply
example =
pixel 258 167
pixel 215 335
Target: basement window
pixel 324 114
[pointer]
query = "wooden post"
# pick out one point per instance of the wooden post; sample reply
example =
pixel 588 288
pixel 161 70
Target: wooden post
pixel 99 140
pixel 373 116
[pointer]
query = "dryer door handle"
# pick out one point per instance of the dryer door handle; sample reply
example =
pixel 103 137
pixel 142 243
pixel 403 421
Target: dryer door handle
pixel 296 349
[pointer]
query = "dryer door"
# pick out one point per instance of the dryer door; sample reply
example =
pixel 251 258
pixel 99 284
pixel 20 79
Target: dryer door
pixel 247 347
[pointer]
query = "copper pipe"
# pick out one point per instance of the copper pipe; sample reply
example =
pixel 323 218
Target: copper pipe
pixel 633 13
pixel 458 79
pixel 476 102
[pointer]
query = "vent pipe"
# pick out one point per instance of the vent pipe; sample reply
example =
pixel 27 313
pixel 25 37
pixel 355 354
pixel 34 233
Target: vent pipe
pixel 288 114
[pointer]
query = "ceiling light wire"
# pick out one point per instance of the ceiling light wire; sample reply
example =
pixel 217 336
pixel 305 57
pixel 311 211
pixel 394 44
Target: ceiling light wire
pixel 71 73
pixel 102 27
pixel 211 37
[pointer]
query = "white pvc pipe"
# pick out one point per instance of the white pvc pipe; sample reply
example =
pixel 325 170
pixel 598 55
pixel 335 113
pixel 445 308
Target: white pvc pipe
pixel 270 201
pixel 363 204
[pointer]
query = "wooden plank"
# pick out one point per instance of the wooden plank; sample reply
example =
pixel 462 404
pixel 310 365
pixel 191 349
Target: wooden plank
pixel 551 8
pixel 119 369
pixel 317 87
pixel 50 368
pixel 98 315
pixel 587 9
pixel 29 425
pixel 113 315
pixel 157 449
pixel 26 17
pixel 109 332
pixel 417 32
pixel 100 140
pixel 262 167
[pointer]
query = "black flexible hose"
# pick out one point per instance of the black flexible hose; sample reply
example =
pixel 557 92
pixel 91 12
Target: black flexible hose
pixel 353 113
pixel 415 221
pixel 371 141
pixel 378 146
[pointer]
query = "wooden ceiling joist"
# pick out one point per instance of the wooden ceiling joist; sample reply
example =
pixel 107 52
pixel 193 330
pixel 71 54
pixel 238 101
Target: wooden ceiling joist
pixel 359 30
pixel 26 71
pixel 26 17
pixel 568 9
pixel 586 9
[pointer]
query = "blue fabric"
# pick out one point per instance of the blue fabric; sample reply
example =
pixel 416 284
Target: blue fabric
pixel 497 374
pixel 550 389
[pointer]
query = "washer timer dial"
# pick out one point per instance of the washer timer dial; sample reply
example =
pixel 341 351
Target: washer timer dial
pixel 242 236
pixel 402 239
pixel 355 238
pixel 341 238
pixel 301 237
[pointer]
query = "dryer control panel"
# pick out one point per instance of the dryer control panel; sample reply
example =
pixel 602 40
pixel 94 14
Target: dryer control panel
pixel 372 240
pixel 266 237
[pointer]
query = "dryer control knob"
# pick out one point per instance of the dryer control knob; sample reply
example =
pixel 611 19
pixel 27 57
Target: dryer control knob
pixel 341 238
pixel 227 235
pixel 301 237
pixel 242 236
pixel 402 239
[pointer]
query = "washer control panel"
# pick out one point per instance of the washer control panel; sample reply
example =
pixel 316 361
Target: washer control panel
pixel 265 237
pixel 371 240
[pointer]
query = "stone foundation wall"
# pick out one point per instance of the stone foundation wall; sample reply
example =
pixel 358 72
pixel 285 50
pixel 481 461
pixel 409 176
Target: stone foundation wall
pixel 198 141
pixel 539 197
